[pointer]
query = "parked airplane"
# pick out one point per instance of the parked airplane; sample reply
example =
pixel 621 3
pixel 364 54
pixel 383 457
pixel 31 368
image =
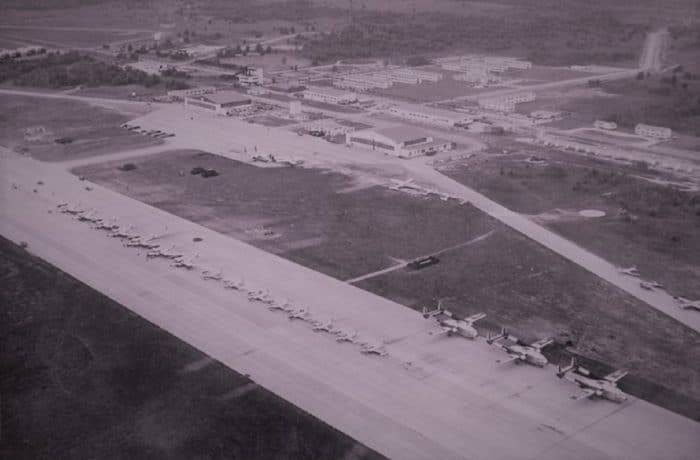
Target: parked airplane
pixel 650 286
pixel 260 296
pixel 451 325
pixel 235 285
pixel 346 336
pixel 407 184
pixel 181 262
pixel 164 253
pixel 123 233
pixel 531 354
pixel 593 387
pixel 370 349
pixel 262 158
pixel 631 271
pixel 67 209
pixel 108 225
pixel 212 275
pixel 323 327
pixel 289 161
pixel 301 313
pixel 90 216
pixel 686 304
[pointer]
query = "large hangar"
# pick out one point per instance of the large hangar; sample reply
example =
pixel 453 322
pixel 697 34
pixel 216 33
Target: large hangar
pixel 400 141
pixel 219 102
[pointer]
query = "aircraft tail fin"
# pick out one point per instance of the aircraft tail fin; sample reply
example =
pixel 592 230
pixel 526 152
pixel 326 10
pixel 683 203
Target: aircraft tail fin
pixel 566 369
pixel 502 335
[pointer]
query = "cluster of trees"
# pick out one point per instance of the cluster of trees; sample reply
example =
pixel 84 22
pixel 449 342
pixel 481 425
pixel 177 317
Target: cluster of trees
pixel 73 69
pixel 243 50
pixel 547 37
pixel 18 54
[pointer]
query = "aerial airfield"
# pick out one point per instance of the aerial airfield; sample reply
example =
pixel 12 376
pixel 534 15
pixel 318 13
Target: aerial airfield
pixel 384 249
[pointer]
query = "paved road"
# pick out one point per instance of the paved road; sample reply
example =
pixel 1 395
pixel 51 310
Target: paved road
pixel 651 58
pixel 431 398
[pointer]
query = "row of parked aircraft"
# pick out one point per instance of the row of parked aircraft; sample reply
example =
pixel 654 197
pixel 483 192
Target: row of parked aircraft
pixel 519 352
pixel 683 303
pixel 154 249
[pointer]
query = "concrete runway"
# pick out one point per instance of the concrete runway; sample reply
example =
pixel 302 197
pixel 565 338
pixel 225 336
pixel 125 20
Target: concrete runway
pixel 430 398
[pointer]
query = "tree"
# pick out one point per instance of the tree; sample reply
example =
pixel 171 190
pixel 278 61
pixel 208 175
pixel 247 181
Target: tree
pixel 259 49
pixel 268 50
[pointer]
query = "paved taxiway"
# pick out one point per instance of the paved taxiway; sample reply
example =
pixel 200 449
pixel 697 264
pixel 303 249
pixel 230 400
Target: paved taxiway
pixel 430 398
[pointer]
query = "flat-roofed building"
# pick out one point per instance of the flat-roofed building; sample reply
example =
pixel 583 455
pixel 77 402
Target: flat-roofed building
pixel 330 95
pixel 497 105
pixel 191 92
pixel 220 102
pixel 655 132
pixel 428 115
pixel 399 141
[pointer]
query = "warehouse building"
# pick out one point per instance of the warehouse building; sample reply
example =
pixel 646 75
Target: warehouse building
pixel 654 132
pixel 220 102
pixel 399 141
pixel 330 95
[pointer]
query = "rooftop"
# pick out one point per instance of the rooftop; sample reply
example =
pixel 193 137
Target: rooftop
pixel 226 96
pixel 328 91
pixel 401 133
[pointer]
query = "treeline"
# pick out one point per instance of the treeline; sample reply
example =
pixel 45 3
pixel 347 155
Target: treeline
pixel 556 38
pixel 58 70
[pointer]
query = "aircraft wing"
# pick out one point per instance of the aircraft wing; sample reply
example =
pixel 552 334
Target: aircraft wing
pixel 475 318
pixel 541 343
pixel 445 330
pixel 587 393
pixel 615 376
pixel 510 359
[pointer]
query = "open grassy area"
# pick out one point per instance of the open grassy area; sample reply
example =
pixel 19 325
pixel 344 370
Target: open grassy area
pixel 83 377
pixel 647 224
pixel 93 130
pixel 324 221
pixel 318 218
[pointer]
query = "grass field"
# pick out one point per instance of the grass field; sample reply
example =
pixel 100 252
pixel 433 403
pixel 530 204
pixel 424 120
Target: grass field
pixel 83 377
pixel 324 221
pixel 649 225
pixel 94 130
